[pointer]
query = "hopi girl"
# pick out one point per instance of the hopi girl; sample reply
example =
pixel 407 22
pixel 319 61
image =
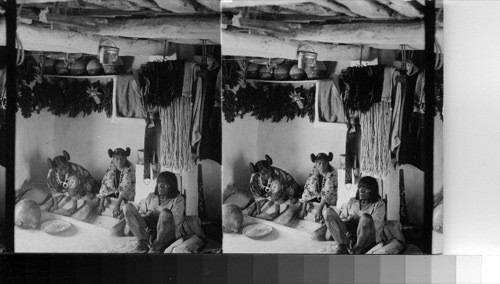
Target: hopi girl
pixel 119 180
pixel 321 186
pixel 70 180
pixel 271 186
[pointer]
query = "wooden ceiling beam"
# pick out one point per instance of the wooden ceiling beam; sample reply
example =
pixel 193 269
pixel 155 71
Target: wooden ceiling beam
pixel 240 44
pixel 41 39
pixel 359 33
pixel 183 6
pixel 63 19
pixel 164 27
pixel 213 5
pixel 254 3
pixel 368 9
pixel 329 4
pixel 404 8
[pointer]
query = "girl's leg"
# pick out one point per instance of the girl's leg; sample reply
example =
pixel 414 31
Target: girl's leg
pixel 336 227
pixel 135 222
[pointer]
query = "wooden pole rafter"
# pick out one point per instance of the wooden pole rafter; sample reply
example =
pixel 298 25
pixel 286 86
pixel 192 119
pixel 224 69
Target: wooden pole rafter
pixel 240 44
pixel 41 39
pixel 366 33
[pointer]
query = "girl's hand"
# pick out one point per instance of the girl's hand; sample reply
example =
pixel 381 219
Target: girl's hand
pixel 318 217
pixel 257 209
pixel 303 211
pixel 116 213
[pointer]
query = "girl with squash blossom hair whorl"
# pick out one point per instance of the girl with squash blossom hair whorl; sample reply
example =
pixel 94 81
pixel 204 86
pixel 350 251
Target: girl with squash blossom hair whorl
pixel 271 186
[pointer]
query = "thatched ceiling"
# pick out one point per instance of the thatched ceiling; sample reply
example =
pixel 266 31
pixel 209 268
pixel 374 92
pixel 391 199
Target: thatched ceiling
pixel 143 26
pixel 135 26
pixel 329 25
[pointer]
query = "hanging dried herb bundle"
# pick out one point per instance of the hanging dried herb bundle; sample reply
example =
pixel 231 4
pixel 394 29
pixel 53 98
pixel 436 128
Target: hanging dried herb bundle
pixel 163 82
pixel 71 98
pixel 268 102
pixel 229 108
pixel 107 99
pixel 27 72
pixel 25 75
pixel 363 87
pixel 265 101
pixel 231 73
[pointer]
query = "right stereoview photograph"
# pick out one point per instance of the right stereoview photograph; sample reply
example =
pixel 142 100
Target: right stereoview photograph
pixel 323 127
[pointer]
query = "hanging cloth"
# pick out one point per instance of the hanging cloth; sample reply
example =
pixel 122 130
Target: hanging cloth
pixel 330 102
pixel 353 138
pixel 406 151
pixel 206 123
pixel 417 123
pixel 396 99
pixel 129 97
pixel 387 86
pixel 150 155
pixel 199 96
pixel 210 146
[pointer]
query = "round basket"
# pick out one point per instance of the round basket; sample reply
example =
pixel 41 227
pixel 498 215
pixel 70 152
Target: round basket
pixel 55 227
pixel 257 231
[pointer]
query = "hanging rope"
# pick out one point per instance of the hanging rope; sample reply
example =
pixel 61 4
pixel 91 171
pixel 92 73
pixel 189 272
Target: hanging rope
pixel 375 157
pixel 175 133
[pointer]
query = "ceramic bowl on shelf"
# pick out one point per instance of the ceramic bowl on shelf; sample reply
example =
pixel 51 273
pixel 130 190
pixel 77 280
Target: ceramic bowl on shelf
pixel 77 68
pixel 266 73
pixel 94 67
pixel 281 72
pixel 62 68
pixel 297 74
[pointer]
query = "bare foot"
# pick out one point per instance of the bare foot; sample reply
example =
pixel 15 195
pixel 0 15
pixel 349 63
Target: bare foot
pixel 66 212
pixel 47 206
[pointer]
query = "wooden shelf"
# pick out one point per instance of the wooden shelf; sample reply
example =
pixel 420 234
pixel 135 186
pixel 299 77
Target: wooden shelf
pixel 335 126
pixel 79 77
pixel 285 81
pixel 114 118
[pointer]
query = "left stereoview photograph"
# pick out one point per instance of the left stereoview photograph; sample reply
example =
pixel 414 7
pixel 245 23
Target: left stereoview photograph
pixel 118 129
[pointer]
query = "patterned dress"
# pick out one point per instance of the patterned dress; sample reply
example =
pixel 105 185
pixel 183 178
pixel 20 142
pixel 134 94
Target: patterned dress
pixel 280 187
pixel 77 183
pixel 115 181
pixel 318 186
